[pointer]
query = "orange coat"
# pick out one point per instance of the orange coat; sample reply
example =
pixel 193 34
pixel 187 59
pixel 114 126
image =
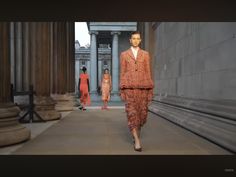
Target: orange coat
pixel 135 73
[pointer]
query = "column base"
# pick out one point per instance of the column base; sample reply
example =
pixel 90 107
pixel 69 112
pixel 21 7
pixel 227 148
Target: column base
pixel 49 115
pixel 72 100
pixel 45 107
pixel 65 102
pixel 11 131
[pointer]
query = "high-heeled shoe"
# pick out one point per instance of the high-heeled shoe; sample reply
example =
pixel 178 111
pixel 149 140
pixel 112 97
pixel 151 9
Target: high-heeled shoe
pixel 138 149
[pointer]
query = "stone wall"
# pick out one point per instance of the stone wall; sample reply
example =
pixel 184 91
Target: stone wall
pixel 196 60
pixel 194 71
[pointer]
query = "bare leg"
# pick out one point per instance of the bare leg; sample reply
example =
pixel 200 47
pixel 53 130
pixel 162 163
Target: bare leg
pixel 137 144
pixel 139 131
pixel 138 134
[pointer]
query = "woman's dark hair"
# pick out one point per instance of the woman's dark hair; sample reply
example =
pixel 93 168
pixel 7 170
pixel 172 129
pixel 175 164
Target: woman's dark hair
pixel 106 69
pixel 134 32
pixel 84 69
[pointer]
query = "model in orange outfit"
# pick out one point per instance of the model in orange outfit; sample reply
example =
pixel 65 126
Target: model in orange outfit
pixel 84 89
pixel 136 86
pixel 106 88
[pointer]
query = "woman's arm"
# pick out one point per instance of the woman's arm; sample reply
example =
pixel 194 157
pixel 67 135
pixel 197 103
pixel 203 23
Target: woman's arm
pixel 79 85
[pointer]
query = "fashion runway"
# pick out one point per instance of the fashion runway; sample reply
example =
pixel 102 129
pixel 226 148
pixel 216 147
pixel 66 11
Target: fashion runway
pixel 101 132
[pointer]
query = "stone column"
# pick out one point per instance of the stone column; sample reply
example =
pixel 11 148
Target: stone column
pixel 88 64
pixel 40 55
pixel 26 52
pixel 12 51
pixel 20 62
pixel 59 64
pixel 115 67
pixel 100 72
pixel 63 63
pixel 77 72
pixel 70 44
pixel 18 56
pixel 11 131
pixel 71 55
pixel 60 58
pixel 93 64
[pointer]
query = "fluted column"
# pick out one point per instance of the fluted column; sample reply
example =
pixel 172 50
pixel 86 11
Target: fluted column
pixel 71 55
pixel 20 61
pixel 100 72
pixel 93 65
pixel 59 60
pixel 40 55
pixel 89 68
pixel 18 52
pixel 11 131
pixel 70 44
pixel 115 66
pixel 63 65
pixel 26 55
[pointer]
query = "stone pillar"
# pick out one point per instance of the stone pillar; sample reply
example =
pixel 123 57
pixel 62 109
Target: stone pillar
pixel 93 64
pixel 71 97
pixel 71 55
pixel 40 55
pixel 115 67
pixel 59 60
pixel 77 73
pixel 63 63
pixel 100 72
pixel 59 64
pixel 11 132
pixel 26 57
pixel 12 51
pixel 88 64
pixel 20 62
pixel 18 56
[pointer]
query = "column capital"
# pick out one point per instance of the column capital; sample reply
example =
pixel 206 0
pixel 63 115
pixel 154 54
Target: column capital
pixel 115 32
pixel 93 32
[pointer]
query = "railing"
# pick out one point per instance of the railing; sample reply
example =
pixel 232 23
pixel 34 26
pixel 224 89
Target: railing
pixel 30 106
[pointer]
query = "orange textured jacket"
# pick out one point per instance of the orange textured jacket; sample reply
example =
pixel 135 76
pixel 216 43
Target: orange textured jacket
pixel 135 73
